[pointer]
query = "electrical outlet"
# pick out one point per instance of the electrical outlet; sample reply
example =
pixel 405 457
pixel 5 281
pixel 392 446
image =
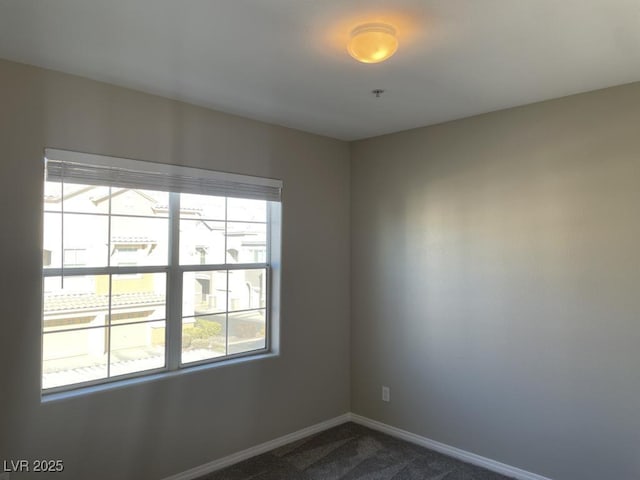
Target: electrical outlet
pixel 386 394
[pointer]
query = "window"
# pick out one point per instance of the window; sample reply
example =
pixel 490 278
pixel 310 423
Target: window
pixel 150 268
pixel 74 257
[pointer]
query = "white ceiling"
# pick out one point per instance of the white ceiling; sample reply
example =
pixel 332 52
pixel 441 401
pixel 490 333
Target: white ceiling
pixel 284 61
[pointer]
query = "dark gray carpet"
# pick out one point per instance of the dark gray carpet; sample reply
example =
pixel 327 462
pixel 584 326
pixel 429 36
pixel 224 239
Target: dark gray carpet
pixel 350 452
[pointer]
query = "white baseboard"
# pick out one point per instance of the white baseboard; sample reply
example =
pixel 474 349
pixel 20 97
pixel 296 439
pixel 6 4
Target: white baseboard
pixel 259 449
pixel 448 450
pixel 454 452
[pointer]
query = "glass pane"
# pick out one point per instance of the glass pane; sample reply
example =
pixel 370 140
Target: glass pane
pixel 76 302
pixel 52 241
pixel 73 357
pixel 246 242
pixel 139 241
pixel 138 297
pixel 85 240
pixel 201 206
pixel 246 210
pixel 201 242
pixel 203 337
pixel 204 293
pixel 52 196
pixel 247 289
pixel 137 347
pixel 85 199
pixel 133 201
pixel 247 331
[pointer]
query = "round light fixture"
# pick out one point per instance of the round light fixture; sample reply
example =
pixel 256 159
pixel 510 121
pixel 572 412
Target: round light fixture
pixel 373 42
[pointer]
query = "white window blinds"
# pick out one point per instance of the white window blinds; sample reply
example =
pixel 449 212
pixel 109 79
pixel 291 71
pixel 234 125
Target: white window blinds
pixel 83 168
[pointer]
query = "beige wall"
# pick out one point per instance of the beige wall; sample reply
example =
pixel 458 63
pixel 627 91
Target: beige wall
pixel 496 284
pixel 151 430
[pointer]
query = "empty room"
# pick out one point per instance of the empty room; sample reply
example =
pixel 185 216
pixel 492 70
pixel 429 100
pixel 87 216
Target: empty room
pixel 320 240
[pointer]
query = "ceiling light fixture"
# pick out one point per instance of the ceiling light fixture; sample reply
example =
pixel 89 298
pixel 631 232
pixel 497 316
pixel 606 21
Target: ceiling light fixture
pixel 373 42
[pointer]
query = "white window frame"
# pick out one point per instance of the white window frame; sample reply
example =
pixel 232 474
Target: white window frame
pixel 175 272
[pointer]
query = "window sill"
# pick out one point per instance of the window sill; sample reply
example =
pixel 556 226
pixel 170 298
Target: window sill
pixel 118 384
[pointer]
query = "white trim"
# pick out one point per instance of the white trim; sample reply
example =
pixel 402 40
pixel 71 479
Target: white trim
pixel 448 450
pixel 259 449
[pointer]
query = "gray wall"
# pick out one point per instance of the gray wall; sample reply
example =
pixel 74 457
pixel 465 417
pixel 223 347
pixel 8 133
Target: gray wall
pixel 155 429
pixel 496 284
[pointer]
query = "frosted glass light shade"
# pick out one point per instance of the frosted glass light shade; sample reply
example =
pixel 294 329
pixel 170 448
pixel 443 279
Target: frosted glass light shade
pixel 373 42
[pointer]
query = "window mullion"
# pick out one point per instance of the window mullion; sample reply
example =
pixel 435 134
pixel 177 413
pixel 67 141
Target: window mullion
pixel 174 287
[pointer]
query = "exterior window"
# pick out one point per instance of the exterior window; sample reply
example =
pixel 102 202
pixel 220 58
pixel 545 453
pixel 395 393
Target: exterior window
pixel 141 280
pixel 74 257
